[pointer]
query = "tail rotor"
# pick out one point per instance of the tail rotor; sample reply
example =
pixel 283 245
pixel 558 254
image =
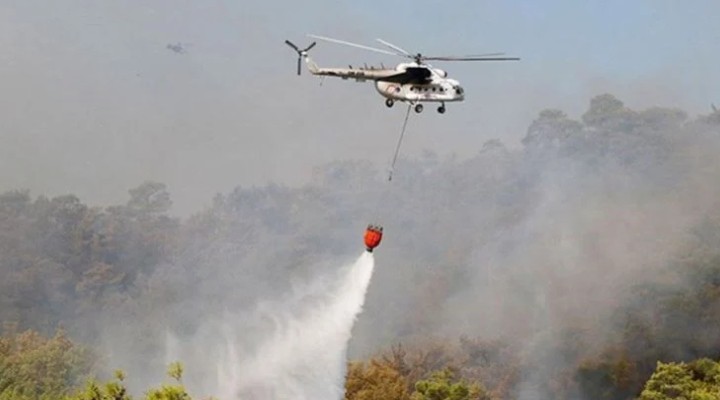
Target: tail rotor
pixel 301 53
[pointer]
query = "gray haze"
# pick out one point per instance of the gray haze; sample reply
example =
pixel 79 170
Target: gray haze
pixel 93 102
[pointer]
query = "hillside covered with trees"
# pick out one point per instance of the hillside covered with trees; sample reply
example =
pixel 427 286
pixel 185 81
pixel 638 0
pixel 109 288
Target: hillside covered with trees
pixel 566 268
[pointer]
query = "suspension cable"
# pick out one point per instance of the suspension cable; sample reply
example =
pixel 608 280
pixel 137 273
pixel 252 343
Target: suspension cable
pixel 397 148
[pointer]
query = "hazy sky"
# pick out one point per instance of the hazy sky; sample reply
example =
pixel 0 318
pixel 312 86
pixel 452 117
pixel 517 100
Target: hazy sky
pixel 93 103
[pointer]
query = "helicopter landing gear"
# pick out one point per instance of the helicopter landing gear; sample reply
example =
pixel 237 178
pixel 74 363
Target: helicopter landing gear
pixel 389 102
pixel 418 108
pixel 441 109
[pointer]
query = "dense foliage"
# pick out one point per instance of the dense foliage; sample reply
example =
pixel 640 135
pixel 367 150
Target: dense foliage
pixel 698 380
pixel 116 390
pixel 35 367
pixel 569 267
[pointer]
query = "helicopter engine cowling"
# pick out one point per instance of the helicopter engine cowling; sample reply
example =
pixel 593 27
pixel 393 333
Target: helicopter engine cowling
pixel 440 72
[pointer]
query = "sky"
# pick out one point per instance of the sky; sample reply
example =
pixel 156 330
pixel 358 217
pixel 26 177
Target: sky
pixel 93 103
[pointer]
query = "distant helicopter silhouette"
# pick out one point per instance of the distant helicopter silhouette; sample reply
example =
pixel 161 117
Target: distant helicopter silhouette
pixel 178 47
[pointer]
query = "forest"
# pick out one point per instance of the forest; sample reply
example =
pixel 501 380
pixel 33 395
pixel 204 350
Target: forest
pixel 583 263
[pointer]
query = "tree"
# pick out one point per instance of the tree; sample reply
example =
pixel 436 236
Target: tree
pixel 33 367
pixel 149 198
pixel 113 390
pixel 699 380
pixel 375 380
pixel 440 386
pixel 550 129
pixel 606 111
pixel 175 391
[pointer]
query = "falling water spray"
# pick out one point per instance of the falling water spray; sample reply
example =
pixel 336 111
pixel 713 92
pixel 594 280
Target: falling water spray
pixel 305 355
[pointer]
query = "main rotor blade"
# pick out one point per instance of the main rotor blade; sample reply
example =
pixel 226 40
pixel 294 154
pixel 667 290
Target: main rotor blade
pixel 474 55
pixel 471 58
pixel 360 46
pixel 392 46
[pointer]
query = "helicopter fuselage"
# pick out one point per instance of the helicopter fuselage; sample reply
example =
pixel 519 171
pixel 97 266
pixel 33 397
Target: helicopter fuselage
pixel 435 88
pixel 441 90
pixel 408 82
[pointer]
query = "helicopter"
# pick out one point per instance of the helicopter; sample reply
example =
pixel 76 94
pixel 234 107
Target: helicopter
pixel 413 82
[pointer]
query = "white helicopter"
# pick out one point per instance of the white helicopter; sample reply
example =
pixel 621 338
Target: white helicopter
pixel 415 82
